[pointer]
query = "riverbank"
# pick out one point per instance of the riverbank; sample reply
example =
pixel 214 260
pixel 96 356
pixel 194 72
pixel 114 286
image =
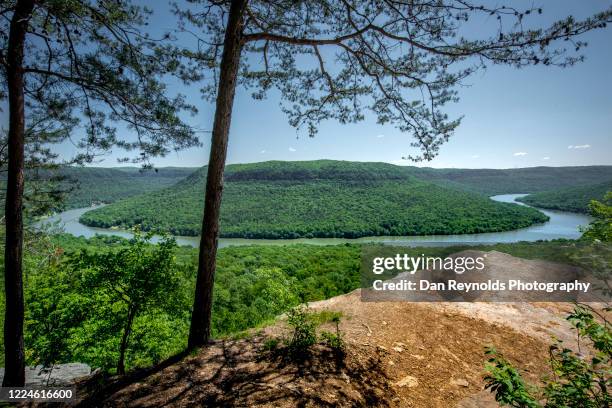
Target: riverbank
pixel 562 225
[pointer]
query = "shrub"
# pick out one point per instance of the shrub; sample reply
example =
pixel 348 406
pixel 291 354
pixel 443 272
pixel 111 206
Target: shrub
pixel 304 331
pixel 333 340
pixel 577 381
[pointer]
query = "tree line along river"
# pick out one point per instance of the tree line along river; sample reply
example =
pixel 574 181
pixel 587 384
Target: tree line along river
pixel 561 225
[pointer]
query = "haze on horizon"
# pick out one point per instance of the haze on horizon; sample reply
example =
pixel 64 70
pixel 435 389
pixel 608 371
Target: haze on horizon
pixel 537 116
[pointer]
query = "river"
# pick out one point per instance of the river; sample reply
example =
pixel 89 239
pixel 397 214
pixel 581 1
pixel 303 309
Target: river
pixel 561 225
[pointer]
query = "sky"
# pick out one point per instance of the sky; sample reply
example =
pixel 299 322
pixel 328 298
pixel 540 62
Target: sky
pixel 536 116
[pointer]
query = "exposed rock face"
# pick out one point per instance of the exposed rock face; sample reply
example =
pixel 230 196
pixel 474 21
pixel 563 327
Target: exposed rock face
pixel 62 374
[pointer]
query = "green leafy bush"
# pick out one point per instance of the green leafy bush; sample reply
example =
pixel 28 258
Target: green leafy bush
pixel 578 381
pixel 304 333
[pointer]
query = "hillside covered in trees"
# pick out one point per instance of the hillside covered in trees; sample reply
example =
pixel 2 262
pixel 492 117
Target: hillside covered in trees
pixel 514 181
pixel 317 199
pixel 89 185
pixel 575 199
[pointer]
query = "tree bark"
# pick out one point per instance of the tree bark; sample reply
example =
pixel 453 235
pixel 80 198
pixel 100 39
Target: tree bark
pixel 199 331
pixel 14 374
pixel 124 341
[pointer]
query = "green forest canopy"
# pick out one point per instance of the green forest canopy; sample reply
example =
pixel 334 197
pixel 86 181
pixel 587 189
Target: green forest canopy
pixel 320 198
pixel 515 181
pixel 105 185
pixel 85 186
pixel 242 297
pixel 92 185
pixel 575 199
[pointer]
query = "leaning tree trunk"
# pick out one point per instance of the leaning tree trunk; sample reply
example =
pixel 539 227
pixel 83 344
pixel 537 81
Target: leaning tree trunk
pixel 199 331
pixel 14 374
pixel 124 340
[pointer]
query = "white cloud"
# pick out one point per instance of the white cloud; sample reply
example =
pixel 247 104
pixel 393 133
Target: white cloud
pixel 380 136
pixel 291 149
pixel 262 152
pixel 475 156
pixel 584 146
pixel 546 158
pixel 520 154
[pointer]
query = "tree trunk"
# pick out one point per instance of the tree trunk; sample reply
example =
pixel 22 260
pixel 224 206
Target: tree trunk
pixel 124 341
pixel 199 332
pixel 14 374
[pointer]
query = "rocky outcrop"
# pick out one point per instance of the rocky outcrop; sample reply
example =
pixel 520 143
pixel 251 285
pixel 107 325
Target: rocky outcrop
pixel 61 374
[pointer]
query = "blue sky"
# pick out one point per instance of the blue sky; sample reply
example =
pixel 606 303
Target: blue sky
pixel 512 118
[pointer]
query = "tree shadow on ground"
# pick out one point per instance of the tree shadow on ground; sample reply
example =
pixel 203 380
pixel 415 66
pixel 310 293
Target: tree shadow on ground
pixel 243 373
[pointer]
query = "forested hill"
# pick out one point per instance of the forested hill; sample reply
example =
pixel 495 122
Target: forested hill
pixel 315 170
pixel 509 181
pixel 321 198
pixel 95 184
pixel 91 185
pixel 574 199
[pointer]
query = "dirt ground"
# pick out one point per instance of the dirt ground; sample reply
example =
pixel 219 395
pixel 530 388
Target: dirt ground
pixel 399 354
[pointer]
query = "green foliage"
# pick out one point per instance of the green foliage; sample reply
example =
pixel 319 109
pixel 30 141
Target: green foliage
pixel 254 284
pixel 317 199
pixel 243 300
pixel 506 382
pixel 577 382
pixel 325 316
pixel 514 181
pixel 574 199
pixel 54 310
pixel 304 333
pixel 271 344
pixel 594 251
pixel 601 227
pixel 107 308
pixel 334 340
pixel 91 185
pixel 138 279
pixel 596 258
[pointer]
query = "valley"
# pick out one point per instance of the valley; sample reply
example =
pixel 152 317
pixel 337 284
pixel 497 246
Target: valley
pixel 228 204
pixel 259 279
pixel 326 202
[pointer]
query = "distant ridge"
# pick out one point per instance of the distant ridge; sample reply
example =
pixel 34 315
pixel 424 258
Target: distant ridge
pixel 514 181
pixel 109 184
pixel 485 181
pixel 97 184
